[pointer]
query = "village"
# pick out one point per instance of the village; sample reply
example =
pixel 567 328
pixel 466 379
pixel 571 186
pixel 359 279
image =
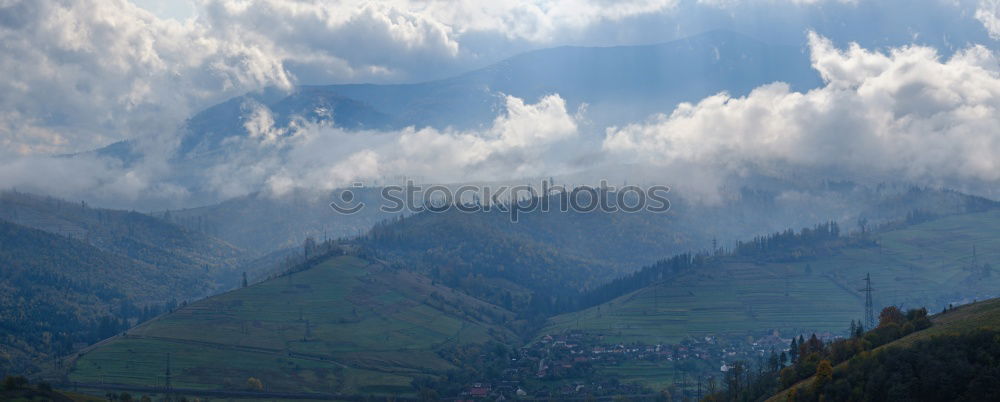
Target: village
pixel 577 364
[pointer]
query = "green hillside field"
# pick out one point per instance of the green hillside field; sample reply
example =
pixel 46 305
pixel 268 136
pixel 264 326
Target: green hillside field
pixel 928 264
pixel 345 326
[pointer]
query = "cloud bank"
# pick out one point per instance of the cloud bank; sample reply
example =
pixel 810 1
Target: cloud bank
pixel 81 74
pixel 901 114
pixel 78 75
pixel 520 143
pixel 905 113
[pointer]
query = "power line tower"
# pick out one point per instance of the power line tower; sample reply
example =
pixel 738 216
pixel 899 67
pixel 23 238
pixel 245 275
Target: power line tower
pixel 869 306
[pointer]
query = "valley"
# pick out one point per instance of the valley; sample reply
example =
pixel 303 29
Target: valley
pixel 537 200
pixel 343 322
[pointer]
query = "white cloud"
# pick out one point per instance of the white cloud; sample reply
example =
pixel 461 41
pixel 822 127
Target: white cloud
pixel 86 73
pixel 519 143
pixel 534 20
pixel 902 114
pixel 731 3
pixel 988 13
pixel 81 74
pixel 77 75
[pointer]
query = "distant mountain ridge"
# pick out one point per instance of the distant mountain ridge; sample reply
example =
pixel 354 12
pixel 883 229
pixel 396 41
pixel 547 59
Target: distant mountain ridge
pixel 619 84
pixel 130 234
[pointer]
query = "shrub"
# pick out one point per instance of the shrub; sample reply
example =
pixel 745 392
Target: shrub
pixel 13 383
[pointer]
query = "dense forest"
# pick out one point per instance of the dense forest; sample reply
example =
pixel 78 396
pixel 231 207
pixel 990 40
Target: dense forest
pixel 129 234
pixel 59 293
pixel 944 368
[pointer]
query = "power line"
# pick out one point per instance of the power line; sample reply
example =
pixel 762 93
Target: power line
pixel 869 306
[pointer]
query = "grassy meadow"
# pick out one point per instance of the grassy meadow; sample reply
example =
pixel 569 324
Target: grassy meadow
pixel 345 326
pixel 928 264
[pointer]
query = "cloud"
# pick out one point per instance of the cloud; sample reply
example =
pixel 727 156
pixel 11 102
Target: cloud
pixel 519 143
pixel 81 74
pixel 988 12
pixel 78 75
pixel 731 3
pixel 533 20
pixel 901 114
pixel 90 177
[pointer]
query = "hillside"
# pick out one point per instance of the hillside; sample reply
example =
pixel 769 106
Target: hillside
pixel 562 253
pixel 311 331
pixel 955 359
pixel 132 235
pixel 623 241
pixel 57 293
pixel 289 219
pixel 343 326
pixel 931 264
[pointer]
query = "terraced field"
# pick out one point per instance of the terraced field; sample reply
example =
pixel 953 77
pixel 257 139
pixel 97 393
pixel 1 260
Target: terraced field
pixel 929 264
pixel 344 326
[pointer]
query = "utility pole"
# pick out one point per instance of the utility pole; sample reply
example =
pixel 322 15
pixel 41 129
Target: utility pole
pixel 166 381
pixel 869 306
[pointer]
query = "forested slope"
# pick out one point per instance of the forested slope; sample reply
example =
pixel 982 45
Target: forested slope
pixel 58 293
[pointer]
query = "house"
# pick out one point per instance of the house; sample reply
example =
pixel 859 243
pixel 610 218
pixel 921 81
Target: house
pixel 479 391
